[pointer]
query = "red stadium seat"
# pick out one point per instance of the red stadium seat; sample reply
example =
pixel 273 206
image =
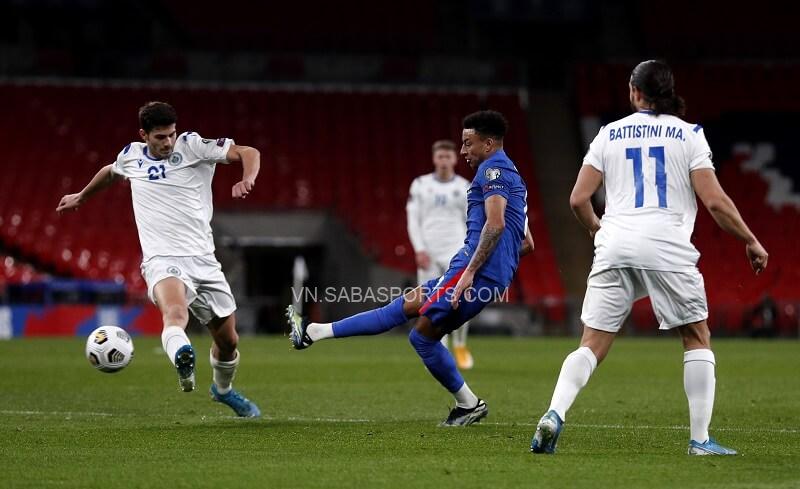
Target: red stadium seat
pixel 320 150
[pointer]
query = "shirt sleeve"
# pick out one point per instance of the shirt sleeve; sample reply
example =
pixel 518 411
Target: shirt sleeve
pixel 594 156
pixel 699 151
pixel 495 181
pixel 209 150
pixel 120 167
pixel 414 217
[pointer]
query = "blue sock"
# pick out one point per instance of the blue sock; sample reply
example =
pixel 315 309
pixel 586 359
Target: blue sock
pixel 439 361
pixel 372 322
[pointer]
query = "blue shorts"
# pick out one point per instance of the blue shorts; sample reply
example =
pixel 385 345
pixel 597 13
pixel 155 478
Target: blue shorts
pixel 439 291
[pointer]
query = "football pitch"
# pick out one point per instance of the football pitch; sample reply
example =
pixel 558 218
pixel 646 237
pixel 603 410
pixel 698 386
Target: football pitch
pixel 364 413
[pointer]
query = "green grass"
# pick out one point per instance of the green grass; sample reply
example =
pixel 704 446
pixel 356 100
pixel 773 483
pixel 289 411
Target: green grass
pixel 363 413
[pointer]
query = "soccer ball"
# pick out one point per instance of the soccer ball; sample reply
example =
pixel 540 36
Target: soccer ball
pixel 109 349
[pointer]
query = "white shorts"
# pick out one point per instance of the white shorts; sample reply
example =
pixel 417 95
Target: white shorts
pixel 678 298
pixel 439 265
pixel 207 291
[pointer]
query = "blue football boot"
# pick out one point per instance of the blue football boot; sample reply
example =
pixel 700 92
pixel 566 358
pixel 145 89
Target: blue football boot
pixel 241 405
pixel 184 364
pixel 710 447
pixel 547 432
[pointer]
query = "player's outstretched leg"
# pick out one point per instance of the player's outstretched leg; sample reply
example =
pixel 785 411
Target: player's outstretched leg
pixel 439 362
pixel 376 321
pixel 170 295
pixel 699 382
pixel 463 356
pixel 224 360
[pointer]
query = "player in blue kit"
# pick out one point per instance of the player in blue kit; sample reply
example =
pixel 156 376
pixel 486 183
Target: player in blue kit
pixel 497 236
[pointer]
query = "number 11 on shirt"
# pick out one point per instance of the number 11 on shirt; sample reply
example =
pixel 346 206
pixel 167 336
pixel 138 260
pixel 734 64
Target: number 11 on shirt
pixel 657 153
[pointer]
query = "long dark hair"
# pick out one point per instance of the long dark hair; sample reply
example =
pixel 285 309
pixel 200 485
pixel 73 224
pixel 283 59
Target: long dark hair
pixel 654 78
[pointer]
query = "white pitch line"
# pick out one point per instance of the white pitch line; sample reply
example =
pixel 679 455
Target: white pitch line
pixel 364 420
pixel 652 427
pixel 322 420
pixel 54 413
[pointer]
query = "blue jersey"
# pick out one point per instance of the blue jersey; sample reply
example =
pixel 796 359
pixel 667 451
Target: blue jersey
pixel 498 176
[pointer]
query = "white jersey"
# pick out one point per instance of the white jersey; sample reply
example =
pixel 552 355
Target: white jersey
pixel 650 203
pixel 437 215
pixel 172 196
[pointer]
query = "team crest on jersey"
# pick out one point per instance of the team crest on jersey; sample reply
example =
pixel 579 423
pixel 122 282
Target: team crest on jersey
pixel 174 271
pixel 175 159
pixel 492 173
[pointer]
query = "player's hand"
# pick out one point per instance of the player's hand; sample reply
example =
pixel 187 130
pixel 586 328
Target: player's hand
pixel 757 256
pixel 464 283
pixel 423 260
pixel 69 202
pixel 241 189
pixel 527 248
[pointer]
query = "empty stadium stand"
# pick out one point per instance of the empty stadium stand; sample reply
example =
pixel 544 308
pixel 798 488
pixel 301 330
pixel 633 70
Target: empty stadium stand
pixel 12 271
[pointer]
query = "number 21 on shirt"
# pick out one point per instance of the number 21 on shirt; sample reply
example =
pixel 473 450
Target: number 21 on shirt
pixel 153 173
pixel 657 153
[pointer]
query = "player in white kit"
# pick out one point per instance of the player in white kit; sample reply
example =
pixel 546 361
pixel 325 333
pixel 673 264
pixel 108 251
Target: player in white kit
pixel 437 214
pixel 170 178
pixel 652 164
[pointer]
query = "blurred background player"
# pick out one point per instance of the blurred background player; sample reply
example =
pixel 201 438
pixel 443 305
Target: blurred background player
pixel 437 214
pixel 652 164
pixel 170 179
pixel 480 272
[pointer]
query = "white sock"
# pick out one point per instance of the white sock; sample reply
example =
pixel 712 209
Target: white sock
pixel 699 383
pixel 223 373
pixel 320 331
pixel 575 372
pixel 172 339
pixel 459 336
pixel 465 398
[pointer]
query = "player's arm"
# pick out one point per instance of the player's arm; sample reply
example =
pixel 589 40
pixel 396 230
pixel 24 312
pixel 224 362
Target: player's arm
pixel 589 180
pixel 413 223
pixel 527 243
pixel 250 158
pixel 724 212
pixel 101 180
pixel 495 207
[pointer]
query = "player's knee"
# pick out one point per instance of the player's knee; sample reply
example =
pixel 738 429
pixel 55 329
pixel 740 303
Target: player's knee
pixel 418 341
pixel 696 336
pixel 424 339
pixel 697 339
pixel 175 315
pixel 410 309
pixel 412 301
